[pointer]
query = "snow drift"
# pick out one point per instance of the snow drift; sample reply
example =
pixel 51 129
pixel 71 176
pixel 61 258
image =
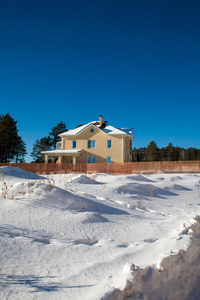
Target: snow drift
pixel 88 237
pixel 177 278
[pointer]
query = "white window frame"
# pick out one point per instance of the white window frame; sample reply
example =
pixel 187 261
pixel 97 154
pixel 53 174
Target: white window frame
pixel 91 144
pixel 58 146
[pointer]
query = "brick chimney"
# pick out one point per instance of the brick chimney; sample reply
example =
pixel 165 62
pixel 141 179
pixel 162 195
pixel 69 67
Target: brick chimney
pixel 100 120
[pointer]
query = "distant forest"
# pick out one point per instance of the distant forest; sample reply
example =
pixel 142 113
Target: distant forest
pixel 170 153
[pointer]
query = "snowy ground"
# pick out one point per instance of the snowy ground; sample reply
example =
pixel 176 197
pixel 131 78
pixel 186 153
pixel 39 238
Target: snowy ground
pixel 77 237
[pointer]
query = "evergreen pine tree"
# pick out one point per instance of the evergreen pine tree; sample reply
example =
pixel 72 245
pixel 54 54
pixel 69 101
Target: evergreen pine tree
pixel 169 152
pixel 139 154
pixel 60 128
pixel 177 153
pixel 191 154
pixel 20 150
pixel 43 144
pixel 12 147
pixel 152 153
pixel 163 154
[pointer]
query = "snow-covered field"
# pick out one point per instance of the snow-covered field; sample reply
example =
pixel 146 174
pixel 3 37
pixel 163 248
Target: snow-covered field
pixel 77 237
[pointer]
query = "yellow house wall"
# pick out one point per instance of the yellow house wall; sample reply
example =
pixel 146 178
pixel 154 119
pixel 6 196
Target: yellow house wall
pixel 127 149
pixel 118 152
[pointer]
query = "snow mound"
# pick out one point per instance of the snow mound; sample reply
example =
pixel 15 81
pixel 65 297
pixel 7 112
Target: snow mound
pixel 180 187
pixel 85 204
pixel 85 180
pixel 144 190
pixel 18 172
pixel 37 193
pixel 139 178
pixel 176 178
pixel 95 218
pixel 49 196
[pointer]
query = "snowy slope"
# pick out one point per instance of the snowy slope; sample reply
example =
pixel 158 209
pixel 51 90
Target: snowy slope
pixel 76 237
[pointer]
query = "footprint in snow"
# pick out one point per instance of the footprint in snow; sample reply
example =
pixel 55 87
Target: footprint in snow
pixel 126 245
pixel 43 241
pixel 88 242
pixel 150 240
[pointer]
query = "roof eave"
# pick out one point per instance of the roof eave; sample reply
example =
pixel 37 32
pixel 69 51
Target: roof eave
pixel 90 124
pixel 62 151
pixel 125 134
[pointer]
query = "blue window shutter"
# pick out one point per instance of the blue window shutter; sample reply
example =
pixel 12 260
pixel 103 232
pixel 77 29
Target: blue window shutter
pixel 74 144
pixel 109 159
pixel 109 143
pixel 89 144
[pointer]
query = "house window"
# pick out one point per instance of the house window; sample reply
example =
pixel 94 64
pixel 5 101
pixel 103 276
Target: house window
pixel 91 160
pixel 58 146
pixel 109 159
pixel 91 144
pixel 109 143
pixel 73 144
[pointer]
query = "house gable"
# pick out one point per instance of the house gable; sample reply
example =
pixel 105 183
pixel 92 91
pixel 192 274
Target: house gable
pixel 78 130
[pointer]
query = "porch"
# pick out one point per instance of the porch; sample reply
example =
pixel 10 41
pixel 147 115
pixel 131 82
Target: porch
pixel 61 154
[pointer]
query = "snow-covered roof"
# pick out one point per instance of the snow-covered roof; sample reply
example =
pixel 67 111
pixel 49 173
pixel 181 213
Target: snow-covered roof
pixel 77 130
pixel 108 129
pixel 113 130
pixel 62 151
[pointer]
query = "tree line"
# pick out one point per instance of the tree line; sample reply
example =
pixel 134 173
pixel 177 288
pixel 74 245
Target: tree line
pixel 13 148
pixel 169 153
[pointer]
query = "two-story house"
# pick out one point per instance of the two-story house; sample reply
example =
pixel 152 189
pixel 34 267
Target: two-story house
pixel 94 142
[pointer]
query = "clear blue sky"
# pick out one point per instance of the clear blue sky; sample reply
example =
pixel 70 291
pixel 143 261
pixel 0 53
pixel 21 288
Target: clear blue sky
pixel 136 62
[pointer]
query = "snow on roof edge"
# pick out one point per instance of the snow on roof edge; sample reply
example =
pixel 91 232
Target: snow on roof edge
pixel 77 130
pixel 109 129
pixel 62 151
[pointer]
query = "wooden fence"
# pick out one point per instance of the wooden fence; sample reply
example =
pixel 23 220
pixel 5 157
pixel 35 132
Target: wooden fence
pixel 113 168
